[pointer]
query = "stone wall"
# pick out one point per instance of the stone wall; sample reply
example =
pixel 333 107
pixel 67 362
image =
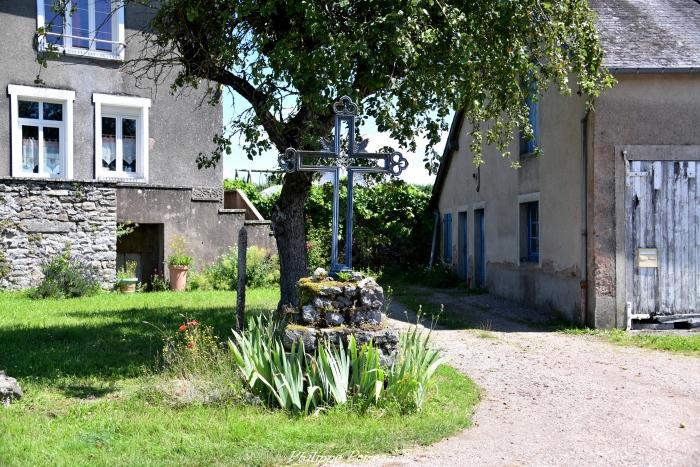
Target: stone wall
pixel 39 218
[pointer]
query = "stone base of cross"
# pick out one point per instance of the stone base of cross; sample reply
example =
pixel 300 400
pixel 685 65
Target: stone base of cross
pixel 350 159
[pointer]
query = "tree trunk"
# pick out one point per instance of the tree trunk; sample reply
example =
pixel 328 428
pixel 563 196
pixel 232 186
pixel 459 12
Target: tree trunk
pixel 290 233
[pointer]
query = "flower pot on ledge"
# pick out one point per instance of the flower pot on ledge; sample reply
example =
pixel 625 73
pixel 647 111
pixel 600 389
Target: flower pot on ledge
pixel 178 278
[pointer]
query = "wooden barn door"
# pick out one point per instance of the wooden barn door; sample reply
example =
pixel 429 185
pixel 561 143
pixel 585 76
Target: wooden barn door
pixel 662 240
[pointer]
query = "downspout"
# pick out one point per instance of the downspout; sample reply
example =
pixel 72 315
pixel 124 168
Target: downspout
pixel 436 225
pixel 584 219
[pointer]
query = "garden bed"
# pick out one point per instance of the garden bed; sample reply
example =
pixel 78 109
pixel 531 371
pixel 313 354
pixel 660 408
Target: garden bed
pixel 86 367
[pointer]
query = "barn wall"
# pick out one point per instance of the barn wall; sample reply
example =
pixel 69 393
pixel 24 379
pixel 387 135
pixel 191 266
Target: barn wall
pixel 557 176
pixel 642 109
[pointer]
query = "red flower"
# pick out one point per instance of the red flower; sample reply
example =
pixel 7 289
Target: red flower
pixel 194 322
pixel 182 328
pixel 190 345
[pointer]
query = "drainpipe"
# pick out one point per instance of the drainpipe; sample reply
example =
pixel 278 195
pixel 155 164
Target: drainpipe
pixel 584 218
pixel 434 243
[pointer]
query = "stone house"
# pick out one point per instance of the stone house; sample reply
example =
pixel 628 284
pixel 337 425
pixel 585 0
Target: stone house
pixel 604 227
pixel 90 148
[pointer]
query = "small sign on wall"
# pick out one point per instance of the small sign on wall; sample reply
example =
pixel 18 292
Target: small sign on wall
pixel 647 258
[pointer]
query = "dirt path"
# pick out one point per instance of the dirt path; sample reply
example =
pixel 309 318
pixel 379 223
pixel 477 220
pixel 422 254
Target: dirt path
pixel 555 399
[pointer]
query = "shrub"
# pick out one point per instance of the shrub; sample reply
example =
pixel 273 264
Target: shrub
pixel 262 269
pixel 301 383
pixel 158 282
pixel 66 277
pixel 198 280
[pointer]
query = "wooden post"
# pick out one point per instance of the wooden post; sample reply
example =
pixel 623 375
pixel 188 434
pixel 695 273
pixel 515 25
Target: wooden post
pixel 240 295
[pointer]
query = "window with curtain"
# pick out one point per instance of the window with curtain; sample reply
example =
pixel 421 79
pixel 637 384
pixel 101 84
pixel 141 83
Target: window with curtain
pixel 42 127
pixel 119 144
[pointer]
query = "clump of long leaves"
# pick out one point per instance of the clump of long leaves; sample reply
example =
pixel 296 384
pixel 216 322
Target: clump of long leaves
pixel 333 375
pixel 410 376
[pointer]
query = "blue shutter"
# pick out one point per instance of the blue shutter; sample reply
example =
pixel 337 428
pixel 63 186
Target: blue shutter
pixel 534 108
pixel 533 232
pixel 447 238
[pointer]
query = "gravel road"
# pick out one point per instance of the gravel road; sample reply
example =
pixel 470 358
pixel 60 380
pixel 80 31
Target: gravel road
pixel 555 399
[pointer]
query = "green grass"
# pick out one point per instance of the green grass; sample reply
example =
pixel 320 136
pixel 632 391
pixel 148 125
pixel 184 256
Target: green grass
pixel 683 344
pixel 86 366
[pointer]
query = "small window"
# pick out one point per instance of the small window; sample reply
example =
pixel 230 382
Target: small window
pixel 121 142
pixel 529 232
pixel 92 28
pixel 42 132
pixel 528 146
pixel 447 239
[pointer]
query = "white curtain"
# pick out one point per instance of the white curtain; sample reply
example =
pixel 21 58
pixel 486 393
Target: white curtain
pixel 30 154
pixel 52 157
pixel 109 152
pixel 129 151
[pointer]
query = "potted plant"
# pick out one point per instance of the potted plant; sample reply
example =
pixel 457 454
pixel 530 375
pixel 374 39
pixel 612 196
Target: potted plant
pixel 179 263
pixel 126 277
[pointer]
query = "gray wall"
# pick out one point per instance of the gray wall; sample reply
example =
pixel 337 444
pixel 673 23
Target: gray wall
pixel 557 176
pixel 642 109
pixel 179 128
pixel 207 229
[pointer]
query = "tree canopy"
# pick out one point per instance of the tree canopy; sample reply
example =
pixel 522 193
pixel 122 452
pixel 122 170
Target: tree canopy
pixel 409 62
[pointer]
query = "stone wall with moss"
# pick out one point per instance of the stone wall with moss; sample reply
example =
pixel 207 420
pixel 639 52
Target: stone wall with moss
pixel 40 218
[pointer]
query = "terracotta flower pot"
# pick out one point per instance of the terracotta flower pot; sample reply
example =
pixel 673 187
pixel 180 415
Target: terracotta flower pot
pixel 128 285
pixel 178 278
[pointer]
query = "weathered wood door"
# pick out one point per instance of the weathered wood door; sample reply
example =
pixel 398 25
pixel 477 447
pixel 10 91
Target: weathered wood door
pixel 662 238
pixel 462 245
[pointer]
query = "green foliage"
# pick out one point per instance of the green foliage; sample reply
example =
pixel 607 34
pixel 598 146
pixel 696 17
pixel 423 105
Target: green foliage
pixel 409 63
pixel 392 224
pixel 262 270
pixel 179 255
pixel 125 228
pixel 128 271
pixel 409 378
pixel 66 277
pixel 198 280
pixel 158 283
pixel 334 375
pixel 263 204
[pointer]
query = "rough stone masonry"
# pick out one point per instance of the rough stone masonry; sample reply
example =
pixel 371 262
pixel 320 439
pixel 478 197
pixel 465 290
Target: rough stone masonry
pixel 40 218
pixel 332 310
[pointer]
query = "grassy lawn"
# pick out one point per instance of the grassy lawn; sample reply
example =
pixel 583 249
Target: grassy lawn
pixel 86 366
pixel 683 344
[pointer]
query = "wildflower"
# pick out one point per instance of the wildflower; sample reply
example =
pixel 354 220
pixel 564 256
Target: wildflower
pixel 190 345
pixel 194 322
pixel 182 328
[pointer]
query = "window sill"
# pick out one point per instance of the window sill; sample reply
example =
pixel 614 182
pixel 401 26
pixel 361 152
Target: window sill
pixel 77 52
pixel 122 179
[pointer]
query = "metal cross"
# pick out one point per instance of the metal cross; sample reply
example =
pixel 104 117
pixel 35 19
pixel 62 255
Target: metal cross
pixel 293 160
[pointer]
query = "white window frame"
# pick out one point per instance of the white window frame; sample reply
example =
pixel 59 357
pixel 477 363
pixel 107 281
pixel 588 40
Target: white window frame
pixel 110 105
pixel 118 42
pixel 57 96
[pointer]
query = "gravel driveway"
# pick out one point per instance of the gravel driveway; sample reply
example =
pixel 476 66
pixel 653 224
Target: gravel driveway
pixel 555 399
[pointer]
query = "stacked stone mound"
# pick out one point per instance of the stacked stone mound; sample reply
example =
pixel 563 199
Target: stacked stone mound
pixel 332 310
pixel 9 389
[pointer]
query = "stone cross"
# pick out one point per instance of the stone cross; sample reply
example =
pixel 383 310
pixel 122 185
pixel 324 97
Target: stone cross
pixel 340 158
